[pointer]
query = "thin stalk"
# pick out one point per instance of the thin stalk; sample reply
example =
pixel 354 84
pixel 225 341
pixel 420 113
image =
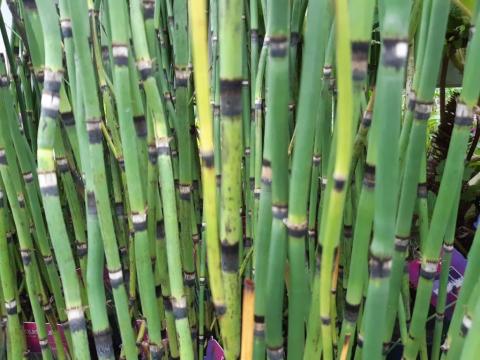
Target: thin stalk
pixel 451 178
pixel 311 84
pixel 230 22
pixel 336 194
pixel 387 112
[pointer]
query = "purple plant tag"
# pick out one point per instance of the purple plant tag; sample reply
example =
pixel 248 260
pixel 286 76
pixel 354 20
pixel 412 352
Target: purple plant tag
pixel 455 279
pixel 214 350
pixel 31 337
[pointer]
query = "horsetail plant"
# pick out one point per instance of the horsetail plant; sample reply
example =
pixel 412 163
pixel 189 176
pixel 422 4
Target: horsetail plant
pixel 249 171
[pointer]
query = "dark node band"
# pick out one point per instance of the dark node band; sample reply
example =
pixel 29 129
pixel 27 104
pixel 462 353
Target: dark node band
pixel 347 231
pixel 325 320
pixel 259 319
pixel 156 352
pixel 327 72
pixel 367 119
pixel 275 353
pixel 401 243
pixel 48 259
pixel 296 230
pixel 120 54
pixel 466 325
pixel 359 60
pixel 448 248
pixel 52 81
pixel 121 163
pixel 167 303
pixel 77 324
pixel 145 70
pixel 94 131
pixel 411 101
pixel 338 184
pixel 195 238
pixel 208 159
pixel 279 211
pixel 116 278
pixel 351 312
pixel 380 267
pixel 422 110
pixel 422 190
pixel 216 110
pixel 220 309
pixel 4 81
pixel 26 256
pixel 48 112
pixel 40 75
pixel 266 175
pixel 66 28
pixel 160 230
pixel 254 35
pixel 395 53
pixel 463 115
pixel 67 119
pixel 82 249
pixel 21 201
pixel 360 340
pixel 259 326
pixel 181 77
pixel 91 203
pixel 140 126
pixel 185 192
pixel 428 270
pixel 152 154
pixel 148 9
pixel 369 176
pixel 179 308
pixel 139 221
pixel 231 97
pixel 103 343
pixel 119 209
pixel 163 146
pixel 229 257
pixel 62 165
pixel 278 46
pixel 189 278
pixel 3 157
pixel 43 343
pixel 11 307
